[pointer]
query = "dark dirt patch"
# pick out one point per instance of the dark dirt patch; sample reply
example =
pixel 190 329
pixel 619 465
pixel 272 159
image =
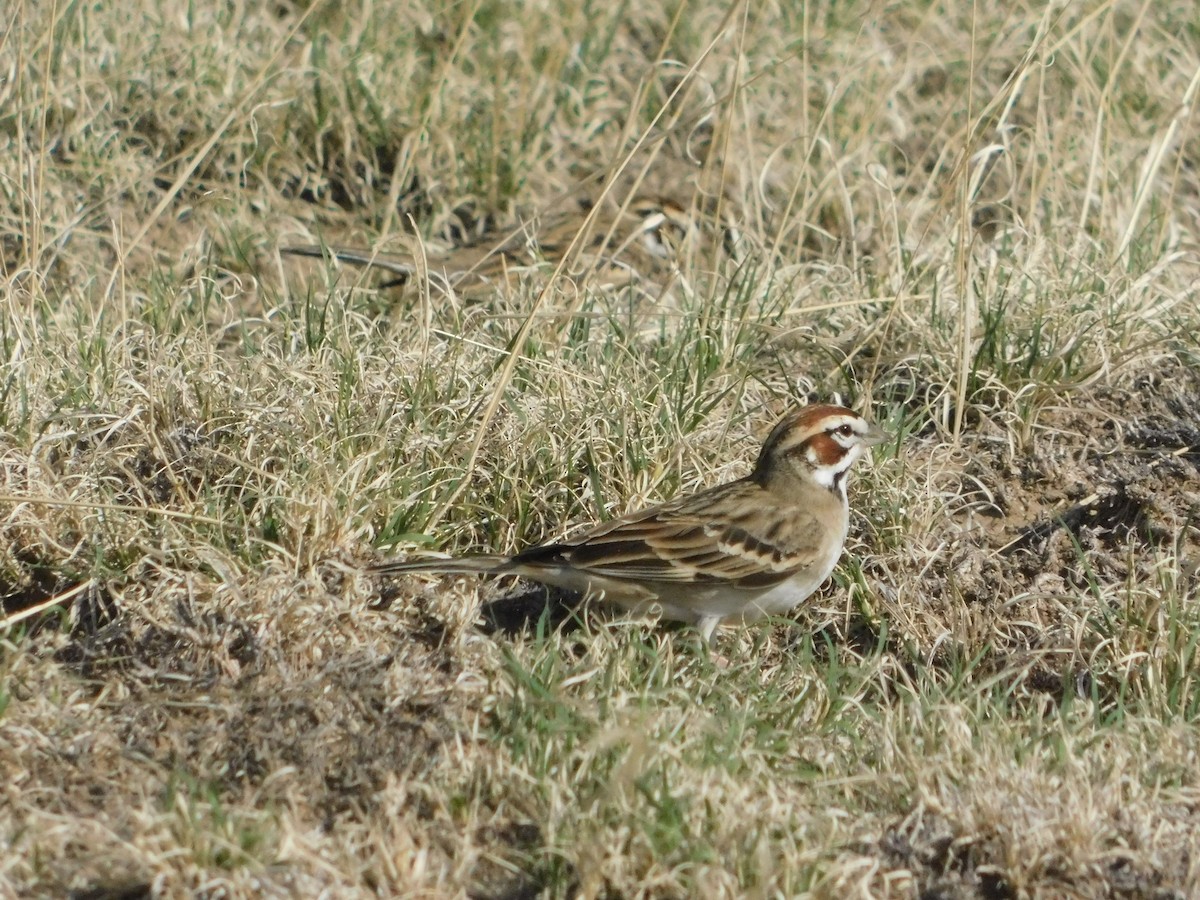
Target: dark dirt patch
pixel 345 733
pixel 946 865
pixel 516 867
pixel 198 649
pixel 36 587
pixel 1113 480
pixel 342 731
pixel 949 865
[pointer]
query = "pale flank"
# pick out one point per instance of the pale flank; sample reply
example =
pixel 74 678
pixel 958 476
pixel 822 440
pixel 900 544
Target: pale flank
pixel 733 553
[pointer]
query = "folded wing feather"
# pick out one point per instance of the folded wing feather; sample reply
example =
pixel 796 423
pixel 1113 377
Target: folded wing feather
pixel 672 543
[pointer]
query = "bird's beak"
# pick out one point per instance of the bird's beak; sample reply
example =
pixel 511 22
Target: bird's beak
pixel 875 435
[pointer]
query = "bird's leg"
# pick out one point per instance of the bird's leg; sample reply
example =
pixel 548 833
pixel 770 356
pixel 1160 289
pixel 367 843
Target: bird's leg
pixel 707 625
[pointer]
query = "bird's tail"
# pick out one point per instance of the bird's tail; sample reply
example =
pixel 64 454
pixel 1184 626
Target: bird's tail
pixel 367 258
pixel 465 565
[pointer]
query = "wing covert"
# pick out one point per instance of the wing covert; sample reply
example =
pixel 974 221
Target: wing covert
pixel 716 537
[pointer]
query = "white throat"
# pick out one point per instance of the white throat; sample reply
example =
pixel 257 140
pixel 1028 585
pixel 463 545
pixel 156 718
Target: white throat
pixel 833 477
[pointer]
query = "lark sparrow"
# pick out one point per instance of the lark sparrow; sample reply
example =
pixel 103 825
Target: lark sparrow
pixel 753 547
pixel 626 243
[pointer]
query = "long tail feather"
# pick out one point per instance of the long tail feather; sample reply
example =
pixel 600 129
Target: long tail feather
pixel 467 565
pixel 355 257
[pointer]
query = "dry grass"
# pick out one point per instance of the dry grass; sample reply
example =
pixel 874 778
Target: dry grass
pixel 980 225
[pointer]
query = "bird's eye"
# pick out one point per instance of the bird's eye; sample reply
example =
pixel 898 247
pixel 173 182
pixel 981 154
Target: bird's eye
pixel 844 430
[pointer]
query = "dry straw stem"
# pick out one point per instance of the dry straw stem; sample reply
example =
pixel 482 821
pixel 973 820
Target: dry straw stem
pixel 978 224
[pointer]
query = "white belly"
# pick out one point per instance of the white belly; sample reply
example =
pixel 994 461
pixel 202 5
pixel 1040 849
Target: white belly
pixel 692 603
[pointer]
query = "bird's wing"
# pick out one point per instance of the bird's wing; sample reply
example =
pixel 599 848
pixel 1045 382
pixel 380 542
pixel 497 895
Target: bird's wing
pixel 728 535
